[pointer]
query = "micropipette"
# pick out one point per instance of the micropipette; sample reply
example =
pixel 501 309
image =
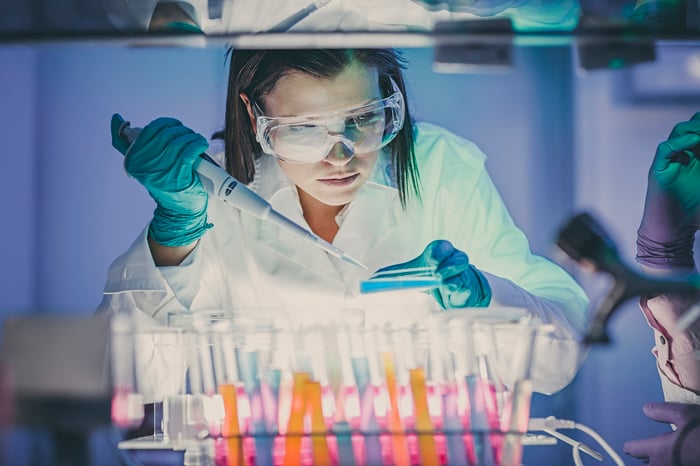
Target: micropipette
pixel 287 23
pixel 219 183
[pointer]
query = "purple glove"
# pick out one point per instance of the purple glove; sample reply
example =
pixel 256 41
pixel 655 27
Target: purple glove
pixel 677 448
pixel 672 208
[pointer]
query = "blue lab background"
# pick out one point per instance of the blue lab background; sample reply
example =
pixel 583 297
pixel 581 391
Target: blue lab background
pixel 559 141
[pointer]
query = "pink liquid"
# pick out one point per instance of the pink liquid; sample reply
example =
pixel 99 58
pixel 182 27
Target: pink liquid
pixel 127 408
pixel 484 420
pixel 515 421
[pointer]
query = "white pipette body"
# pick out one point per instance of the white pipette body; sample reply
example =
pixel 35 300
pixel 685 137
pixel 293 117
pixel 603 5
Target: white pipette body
pixel 219 183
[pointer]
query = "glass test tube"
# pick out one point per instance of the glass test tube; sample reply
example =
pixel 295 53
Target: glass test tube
pixel 371 393
pixel 257 342
pixel 516 413
pixel 445 389
pixel 127 408
pixel 396 380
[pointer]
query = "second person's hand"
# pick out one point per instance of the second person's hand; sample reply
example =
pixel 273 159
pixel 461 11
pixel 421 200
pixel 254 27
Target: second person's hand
pixel 672 206
pixel 677 447
pixel 463 285
pixel 162 159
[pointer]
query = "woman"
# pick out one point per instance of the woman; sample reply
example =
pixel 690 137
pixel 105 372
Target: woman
pixel 326 137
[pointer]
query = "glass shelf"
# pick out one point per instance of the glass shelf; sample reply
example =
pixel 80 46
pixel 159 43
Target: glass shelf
pixel 357 23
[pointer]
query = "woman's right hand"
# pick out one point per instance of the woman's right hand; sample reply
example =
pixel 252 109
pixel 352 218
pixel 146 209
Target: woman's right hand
pixel 162 159
pixel 672 207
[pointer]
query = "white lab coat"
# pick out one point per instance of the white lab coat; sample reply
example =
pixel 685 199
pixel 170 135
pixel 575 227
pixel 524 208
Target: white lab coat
pixel 246 16
pixel 245 262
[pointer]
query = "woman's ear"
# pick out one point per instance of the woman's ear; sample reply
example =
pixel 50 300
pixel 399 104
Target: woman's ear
pixel 249 107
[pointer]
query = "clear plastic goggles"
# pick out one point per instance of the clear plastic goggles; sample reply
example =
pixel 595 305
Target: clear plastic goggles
pixel 308 139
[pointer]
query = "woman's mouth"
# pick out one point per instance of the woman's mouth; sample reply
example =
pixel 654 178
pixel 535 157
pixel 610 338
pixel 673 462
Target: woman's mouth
pixel 340 181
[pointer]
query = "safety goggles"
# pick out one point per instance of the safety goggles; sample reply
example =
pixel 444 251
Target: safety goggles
pixel 308 139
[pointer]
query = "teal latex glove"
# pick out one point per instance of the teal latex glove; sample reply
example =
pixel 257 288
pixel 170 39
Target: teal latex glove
pixel 463 285
pixel 672 207
pixel 162 159
pixel 183 27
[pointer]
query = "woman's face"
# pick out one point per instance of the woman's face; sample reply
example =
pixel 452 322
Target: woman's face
pixel 335 180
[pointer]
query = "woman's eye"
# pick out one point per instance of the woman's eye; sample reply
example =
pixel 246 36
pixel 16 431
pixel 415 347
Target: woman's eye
pixel 366 119
pixel 301 128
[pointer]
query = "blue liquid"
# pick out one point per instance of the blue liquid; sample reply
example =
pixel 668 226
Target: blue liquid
pixel 390 284
pixel 373 448
pixel 360 369
pixel 456 452
pixel 343 433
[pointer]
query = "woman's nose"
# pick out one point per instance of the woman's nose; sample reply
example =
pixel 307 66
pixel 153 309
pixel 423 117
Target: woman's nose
pixel 340 154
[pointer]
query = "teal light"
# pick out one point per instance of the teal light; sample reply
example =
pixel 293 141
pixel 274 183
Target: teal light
pixel 616 63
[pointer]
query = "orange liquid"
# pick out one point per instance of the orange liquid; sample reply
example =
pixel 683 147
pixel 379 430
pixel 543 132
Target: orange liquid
pixel 398 439
pixel 295 426
pixel 231 430
pixel 314 406
pixel 424 426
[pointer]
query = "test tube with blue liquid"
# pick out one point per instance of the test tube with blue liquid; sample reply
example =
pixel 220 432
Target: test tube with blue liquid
pixel 482 382
pixel 442 382
pixel 256 339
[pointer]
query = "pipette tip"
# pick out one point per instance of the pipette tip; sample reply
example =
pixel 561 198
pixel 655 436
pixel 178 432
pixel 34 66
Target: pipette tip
pixel 347 258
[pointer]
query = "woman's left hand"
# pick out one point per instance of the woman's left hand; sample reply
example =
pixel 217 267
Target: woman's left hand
pixel 463 285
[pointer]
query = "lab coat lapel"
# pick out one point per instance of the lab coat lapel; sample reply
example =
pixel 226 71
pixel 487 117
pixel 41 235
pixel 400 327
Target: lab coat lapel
pixel 370 224
pixel 290 247
pixel 273 185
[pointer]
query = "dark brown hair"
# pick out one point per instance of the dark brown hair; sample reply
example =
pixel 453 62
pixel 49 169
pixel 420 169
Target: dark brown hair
pixel 255 73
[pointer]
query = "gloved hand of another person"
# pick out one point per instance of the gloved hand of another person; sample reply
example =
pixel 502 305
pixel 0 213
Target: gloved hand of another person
pixel 462 283
pixel 162 159
pixel 659 450
pixel 475 7
pixel 672 208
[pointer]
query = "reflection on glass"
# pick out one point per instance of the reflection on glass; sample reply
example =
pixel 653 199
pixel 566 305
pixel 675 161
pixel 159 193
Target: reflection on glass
pixel 246 16
pixel 660 14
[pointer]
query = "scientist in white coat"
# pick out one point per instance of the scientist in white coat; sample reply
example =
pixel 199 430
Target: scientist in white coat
pixel 256 16
pixel 325 136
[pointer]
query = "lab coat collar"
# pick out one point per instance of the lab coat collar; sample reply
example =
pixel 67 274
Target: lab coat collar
pixel 364 224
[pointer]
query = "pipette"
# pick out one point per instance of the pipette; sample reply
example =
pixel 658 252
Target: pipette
pixel 289 22
pixel 219 183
